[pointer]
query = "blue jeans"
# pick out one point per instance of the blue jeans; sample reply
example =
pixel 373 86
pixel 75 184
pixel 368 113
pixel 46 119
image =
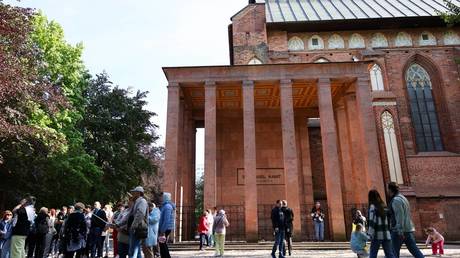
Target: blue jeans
pixel 319 230
pixel 386 245
pixel 134 246
pixel 5 250
pixel 409 240
pixel 279 242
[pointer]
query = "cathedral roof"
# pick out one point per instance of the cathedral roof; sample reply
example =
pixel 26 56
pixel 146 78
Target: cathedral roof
pixel 284 11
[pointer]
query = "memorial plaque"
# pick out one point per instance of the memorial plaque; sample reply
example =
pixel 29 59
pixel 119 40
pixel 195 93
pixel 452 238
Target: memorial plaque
pixel 264 176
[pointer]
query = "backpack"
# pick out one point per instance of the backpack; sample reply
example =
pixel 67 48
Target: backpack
pixel 141 230
pixel 42 227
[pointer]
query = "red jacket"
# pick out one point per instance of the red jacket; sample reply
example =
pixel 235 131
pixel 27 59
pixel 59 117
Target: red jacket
pixel 203 226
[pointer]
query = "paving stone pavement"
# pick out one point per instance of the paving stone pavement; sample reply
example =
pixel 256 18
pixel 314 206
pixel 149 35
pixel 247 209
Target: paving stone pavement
pixel 450 252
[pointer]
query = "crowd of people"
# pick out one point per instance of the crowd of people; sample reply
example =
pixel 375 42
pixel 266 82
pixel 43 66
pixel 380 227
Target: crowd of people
pixel 136 227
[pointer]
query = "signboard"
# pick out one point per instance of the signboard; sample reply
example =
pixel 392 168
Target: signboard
pixel 264 176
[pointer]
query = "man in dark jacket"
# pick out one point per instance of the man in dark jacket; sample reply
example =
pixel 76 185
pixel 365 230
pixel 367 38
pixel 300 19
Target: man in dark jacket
pixel 289 217
pixel 24 215
pixel 98 223
pixel 279 226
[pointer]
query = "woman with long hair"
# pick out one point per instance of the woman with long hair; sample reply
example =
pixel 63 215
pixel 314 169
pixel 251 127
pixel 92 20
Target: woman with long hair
pixel 379 229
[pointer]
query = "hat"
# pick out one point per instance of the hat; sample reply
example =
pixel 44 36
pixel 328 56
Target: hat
pixel 138 189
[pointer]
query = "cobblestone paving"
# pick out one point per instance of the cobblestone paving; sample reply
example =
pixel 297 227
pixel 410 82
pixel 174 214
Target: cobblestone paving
pixel 449 252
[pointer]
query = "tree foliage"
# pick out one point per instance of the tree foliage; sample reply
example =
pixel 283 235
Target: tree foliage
pixel 64 136
pixel 117 130
pixel 452 16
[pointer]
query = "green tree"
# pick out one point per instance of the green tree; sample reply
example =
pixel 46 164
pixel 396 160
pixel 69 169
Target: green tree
pixel 117 130
pixel 452 16
pixel 27 100
pixel 72 170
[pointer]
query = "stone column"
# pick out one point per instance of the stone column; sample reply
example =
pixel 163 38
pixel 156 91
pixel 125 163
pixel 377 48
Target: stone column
pixel 305 159
pixel 331 160
pixel 172 140
pixel 291 161
pixel 250 183
pixel 345 154
pixel 368 130
pixel 360 189
pixel 210 145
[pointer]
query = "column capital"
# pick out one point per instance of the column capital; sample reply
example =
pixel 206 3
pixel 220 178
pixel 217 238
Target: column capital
pixel 324 80
pixel 172 85
pixel 209 84
pixel 286 83
pixel 248 83
pixel 363 79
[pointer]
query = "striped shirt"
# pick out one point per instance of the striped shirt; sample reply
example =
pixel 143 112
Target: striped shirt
pixel 378 227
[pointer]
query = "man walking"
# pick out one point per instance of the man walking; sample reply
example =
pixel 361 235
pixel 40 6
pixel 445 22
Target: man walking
pixel 279 226
pixel 289 216
pixel 98 223
pixel 137 221
pixel 402 227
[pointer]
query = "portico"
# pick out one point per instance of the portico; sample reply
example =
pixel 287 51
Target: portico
pixel 263 141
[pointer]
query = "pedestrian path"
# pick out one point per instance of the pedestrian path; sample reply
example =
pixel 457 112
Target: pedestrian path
pixel 451 252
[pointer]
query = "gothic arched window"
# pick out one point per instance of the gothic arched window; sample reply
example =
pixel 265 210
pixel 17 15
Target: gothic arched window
pixel 295 44
pixel 391 147
pixel 423 109
pixel 376 78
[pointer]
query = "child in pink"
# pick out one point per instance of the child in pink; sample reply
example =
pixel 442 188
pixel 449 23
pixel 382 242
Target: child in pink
pixel 436 240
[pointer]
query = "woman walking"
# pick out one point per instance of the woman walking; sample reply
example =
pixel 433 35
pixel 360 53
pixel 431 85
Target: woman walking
pixel 219 230
pixel 75 232
pixel 379 229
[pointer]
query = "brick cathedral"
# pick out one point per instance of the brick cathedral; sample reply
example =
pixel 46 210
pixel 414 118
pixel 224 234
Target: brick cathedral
pixel 322 101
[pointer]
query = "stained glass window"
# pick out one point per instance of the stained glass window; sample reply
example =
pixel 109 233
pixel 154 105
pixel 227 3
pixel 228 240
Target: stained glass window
pixel 295 44
pixel 376 78
pixel 423 109
pixel 391 146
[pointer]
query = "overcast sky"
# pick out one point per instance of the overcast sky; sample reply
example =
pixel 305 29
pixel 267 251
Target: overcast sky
pixel 132 39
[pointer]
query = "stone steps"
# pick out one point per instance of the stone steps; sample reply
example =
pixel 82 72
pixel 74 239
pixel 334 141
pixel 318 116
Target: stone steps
pixel 193 246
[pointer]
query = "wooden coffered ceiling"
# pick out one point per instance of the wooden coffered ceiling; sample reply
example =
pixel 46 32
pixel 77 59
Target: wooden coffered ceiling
pixel 266 94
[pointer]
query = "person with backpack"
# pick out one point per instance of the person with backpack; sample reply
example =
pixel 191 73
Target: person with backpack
pixel 289 215
pixel 379 229
pixel 40 230
pixel 219 230
pixel 137 221
pixel 167 224
pixel 75 230
pixel 402 227
pixel 24 215
pixel 279 226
